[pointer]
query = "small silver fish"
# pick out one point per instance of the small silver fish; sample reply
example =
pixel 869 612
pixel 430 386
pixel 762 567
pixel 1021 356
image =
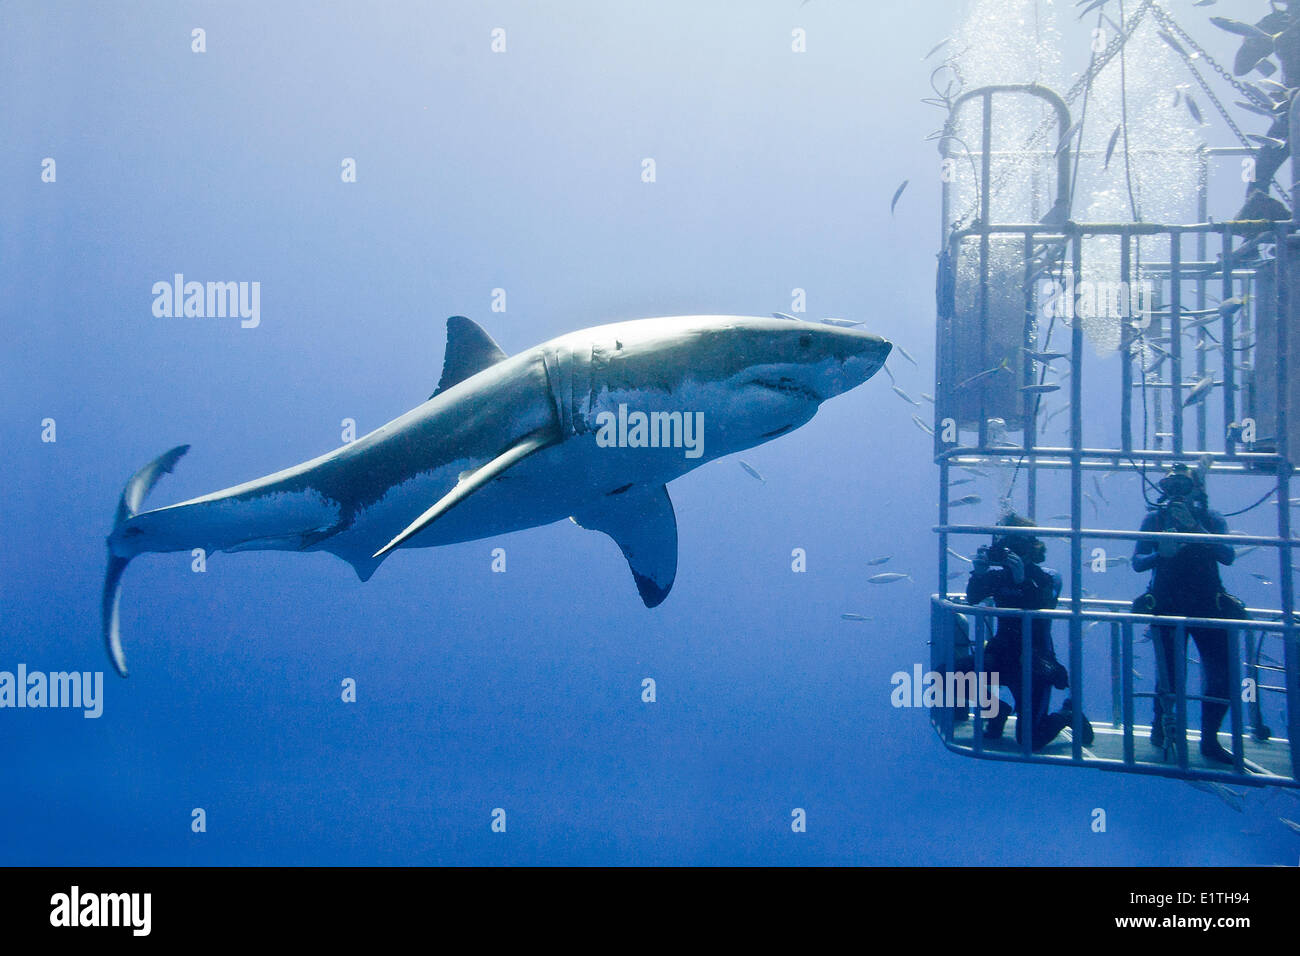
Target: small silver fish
pixel 1260 577
pixel 1290 824
pixel 752 470
pixel 841 323
pixel 903 352
pixel 923 426
pixel 928 397
pixel 904 396
pixel 884 367
pixel 1110 146
pixel 1039 389
pixel 965 500
pixel 783 315
pixel 1231 306
pixel 1199 391
pixel 1068 135
pixel 1231 797
pixel 897 193
pixel 1245 551
pixel 940 45
pixel 1251 107
pixel 882 560
pixel 1267 140
pixel 984 374
pixel 1044 357
pixel 960 481
pixel 850 616
pixel 888 577
pixel 959 557
pixel 1096 483
pixel 977 472
pixel 1174 44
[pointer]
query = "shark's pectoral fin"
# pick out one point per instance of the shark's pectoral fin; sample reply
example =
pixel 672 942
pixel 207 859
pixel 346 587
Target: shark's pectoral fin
pixel 469 351
pixel 642 523
pixel 471 482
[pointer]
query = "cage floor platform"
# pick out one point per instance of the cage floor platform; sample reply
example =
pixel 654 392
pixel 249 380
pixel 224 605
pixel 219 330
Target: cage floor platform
pixel 1266 762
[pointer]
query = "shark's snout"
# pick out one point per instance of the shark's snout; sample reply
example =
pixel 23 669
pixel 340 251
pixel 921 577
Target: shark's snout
pixel 858 356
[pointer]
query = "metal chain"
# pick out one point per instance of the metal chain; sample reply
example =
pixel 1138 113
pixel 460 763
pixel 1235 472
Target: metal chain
pixel 1209 93
pixel 1173 26
pixel 1109 52
pixel 1169 23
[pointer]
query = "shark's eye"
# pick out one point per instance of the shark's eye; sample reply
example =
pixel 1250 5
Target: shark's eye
pixel 805 341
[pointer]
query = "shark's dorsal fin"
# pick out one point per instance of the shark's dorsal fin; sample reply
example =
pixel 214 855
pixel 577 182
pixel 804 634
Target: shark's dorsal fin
pixel 469 351
pixel 471 482
pixel 641 521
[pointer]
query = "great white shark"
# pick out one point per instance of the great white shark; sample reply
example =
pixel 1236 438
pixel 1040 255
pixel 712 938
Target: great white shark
pixel 512 442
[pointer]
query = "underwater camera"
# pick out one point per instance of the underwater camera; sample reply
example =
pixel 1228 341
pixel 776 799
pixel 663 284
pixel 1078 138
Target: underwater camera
pixel 997 554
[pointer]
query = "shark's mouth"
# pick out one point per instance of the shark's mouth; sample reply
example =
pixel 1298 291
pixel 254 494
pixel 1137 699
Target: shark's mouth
pixel 792 388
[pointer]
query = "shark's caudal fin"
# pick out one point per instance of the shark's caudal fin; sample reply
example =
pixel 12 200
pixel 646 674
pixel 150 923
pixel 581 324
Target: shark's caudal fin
pixel 132 497
pixel 642 523
pixel 469 351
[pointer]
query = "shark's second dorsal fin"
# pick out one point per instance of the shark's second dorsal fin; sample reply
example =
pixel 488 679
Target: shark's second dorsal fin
pixel 469 351
pixel 641 521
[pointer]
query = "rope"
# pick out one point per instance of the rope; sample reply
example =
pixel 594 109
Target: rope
pixel 1123 105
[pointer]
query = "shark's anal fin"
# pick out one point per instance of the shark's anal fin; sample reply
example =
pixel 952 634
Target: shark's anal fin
pixel 642 523
pixel 472 482
pixel 469 351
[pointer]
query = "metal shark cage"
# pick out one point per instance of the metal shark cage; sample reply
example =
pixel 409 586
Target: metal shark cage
pixel 988 387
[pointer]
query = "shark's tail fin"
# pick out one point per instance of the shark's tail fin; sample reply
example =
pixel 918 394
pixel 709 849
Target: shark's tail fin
pixel 132 497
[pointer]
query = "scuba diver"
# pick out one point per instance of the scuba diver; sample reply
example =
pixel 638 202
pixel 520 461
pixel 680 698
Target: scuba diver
pixel 1186 582
pixel 1011 573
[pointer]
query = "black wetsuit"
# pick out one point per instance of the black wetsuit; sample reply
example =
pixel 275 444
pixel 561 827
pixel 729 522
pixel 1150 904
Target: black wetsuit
pixel 1039 591
pixel 1188 584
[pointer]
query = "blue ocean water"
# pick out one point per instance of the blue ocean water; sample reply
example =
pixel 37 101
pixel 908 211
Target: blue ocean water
pixel 475 171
